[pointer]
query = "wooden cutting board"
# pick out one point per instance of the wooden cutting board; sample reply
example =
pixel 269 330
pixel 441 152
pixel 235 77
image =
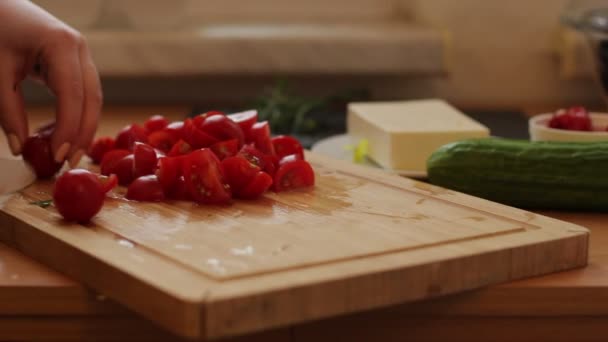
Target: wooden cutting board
pixel 362 239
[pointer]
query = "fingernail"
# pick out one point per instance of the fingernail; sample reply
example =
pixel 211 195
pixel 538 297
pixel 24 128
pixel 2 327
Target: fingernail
pixel 76 158
pixel 14 144
pixel 62 152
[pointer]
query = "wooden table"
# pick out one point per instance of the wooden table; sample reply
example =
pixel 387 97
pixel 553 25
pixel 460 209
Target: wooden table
pixel 37 304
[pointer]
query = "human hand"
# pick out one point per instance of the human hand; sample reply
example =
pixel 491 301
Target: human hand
pixel 35 44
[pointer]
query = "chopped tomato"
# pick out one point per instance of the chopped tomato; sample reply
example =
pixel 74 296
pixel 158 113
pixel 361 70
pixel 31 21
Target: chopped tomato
pixel 199 119
pixel 176 129
pixel 78 195
pixel 265 162
pixel 99 147
pixel 144 159
pixel 204 178
pixel 168 171
pixel 108 182
pixel 129 135
pixel 226 148
pixel 180 148
pixel 245 120
pixel 285 145
pixel 146 189
pixel 196 137
pixel 260 183
pixel 293 175
pixel 290 158
pixel 239 171
pixel 162 140
pixel 260 135
pixel 179 190
pixel 124 170
pixel 156 123
pixel 222 128
pixel 110 159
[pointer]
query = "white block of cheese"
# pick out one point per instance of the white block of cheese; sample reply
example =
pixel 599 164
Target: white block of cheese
pixel 402 135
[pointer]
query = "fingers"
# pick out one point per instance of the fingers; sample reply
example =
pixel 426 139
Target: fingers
pixel 12 113
pixel 91 107
pixel 65 79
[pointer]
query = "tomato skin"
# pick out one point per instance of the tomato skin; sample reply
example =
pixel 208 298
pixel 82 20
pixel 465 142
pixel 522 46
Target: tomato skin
pixel 226 148
pixel 260 183
pixel 196 137
pixel 145 189
pixel 285 145
pixel 290 158
pixel 144 162
pixel 222 128
pixel 129 135
pixel 205 179
pixel 110 159
pixel 168 171
pixel 239 172
pixel 294 175
pixel 162 140
pixel 37 153
pixel 124 170
pixel 260 135
pixel 108 182
pixel 99 147
pixel 255 156
pixel 199 119
pixel 245 120
pixel 78 195
pixel 155 123
pixel 180 148
pixel 179 190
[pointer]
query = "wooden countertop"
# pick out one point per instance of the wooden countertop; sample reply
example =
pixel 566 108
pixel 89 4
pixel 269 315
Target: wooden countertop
pixel 38 304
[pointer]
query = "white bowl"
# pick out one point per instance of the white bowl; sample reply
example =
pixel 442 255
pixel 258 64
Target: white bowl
pixel 540 131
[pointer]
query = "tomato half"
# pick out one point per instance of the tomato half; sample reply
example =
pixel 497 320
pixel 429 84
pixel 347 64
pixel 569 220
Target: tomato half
pixel 245 120
pixel 125 170
pixel 179 190
pixel 260 183
pixel 196 137
pixel 175 129
pixel 239 172
pixel 146 189
pixel 222 128
pixel 78 195
pixel 99 147
pixel 180 148
pixel 290 158
pixel 204 178
pixel 294 175
pixel 162 140
pixel 37 153
pixel 168 171
pixel 155 123
pixel 265 162
pixel 108 182
pixel 144 162
pixel 129 135
pixel 199 119
pixel 226 148
pixel 110 159
pixel 285 145
pixel 260 136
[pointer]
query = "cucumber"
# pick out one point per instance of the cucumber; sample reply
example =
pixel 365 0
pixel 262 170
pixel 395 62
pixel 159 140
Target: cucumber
pixel 529 175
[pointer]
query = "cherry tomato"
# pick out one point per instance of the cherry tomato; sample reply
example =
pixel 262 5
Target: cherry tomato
pixel 122 168
pixel 144 160
pixel 168 171
pixel 222 128
pixel 285 145
pixel 110 159
pixel 108 182
pixel 204 178
pixel 180 148
pixel 162 140
pixel 260 183
pixel 155 123
pixel 99 147
pixel 239 172
pixel 260 135
pixel 294 175
pixel 176 129
pixel 146 189
pixel 226 148
pixel 265 162
pixel 179 191
pixel 290 158
pixel 199 119
pixel 129 135
pixel 78 195
pixel 37 153
pixel 196 137
pixel 245 120
pixel 575 119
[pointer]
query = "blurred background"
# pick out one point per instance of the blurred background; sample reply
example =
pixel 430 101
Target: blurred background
pixel 292 56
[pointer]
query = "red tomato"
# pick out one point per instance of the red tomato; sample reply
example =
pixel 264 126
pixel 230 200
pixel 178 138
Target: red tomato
pixel 285 145
pixel 575 118
pixel 179 190
pixel 290 158
pixel 129 135
pixel 144 162
pixel 78 195
pixel 222 128
pixel 146 189
pixel 180 148
pixel 294 175
pixel 168 171
pixel 260 183
pixel 265 162
pixel 226 148
pixel 110 159
pixel 124 170
pixel 196 137
pixel 204 178
pixel 156 123
pixel 108 182
pixel 37 153
pixel 239 172
pixel 176 129
pixel 100 147
pixel 199 119
pixel 245 120
pixel 260 135
pixel 162 140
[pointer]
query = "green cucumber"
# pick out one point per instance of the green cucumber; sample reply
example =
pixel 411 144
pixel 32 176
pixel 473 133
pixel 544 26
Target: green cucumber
pixel 525 174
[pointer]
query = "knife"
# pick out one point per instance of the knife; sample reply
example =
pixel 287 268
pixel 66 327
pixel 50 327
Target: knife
pixel 15 175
